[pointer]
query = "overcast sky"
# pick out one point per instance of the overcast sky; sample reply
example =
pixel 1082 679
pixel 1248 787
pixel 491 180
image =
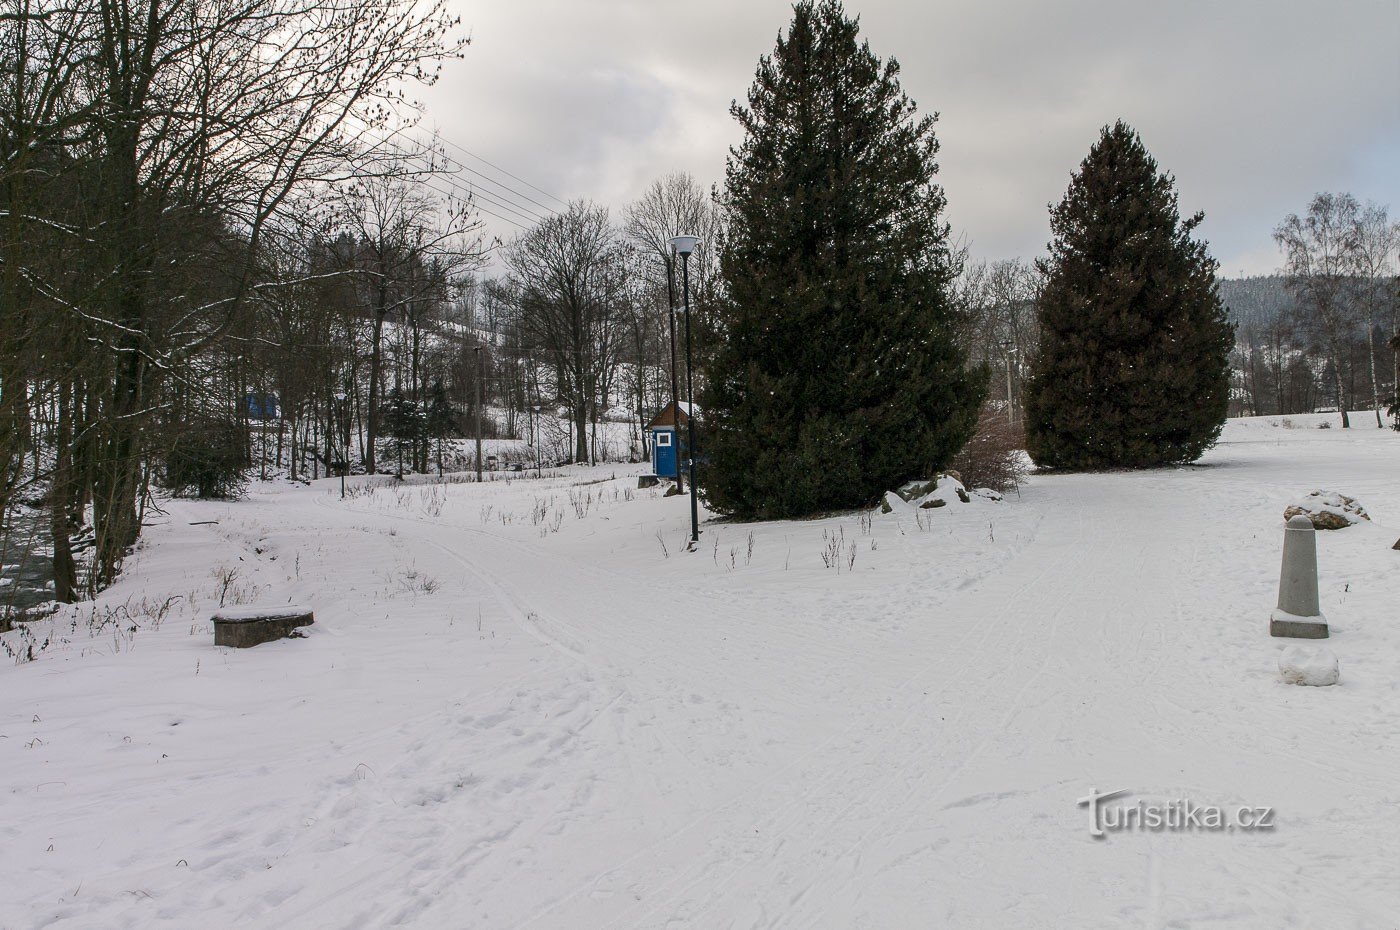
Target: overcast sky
pixel 1253 106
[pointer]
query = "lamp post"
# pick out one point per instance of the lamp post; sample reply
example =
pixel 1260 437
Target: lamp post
pixel 1010 349
pixel 684 245
pixel 341 416
pixel 480 376
pixel 538 411
pixel 671 317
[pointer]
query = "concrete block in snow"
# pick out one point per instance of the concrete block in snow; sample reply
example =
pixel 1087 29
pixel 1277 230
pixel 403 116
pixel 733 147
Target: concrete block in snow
pixel 1308 665
pixel 248 626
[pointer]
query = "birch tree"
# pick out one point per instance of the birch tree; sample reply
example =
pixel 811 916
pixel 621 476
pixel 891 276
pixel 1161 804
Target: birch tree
pixel 1320 251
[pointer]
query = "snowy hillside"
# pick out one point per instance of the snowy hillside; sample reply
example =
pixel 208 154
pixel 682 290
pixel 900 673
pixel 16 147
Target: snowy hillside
pixel 522 704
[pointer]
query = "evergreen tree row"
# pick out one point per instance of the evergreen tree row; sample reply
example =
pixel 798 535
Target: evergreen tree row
pixel 841 373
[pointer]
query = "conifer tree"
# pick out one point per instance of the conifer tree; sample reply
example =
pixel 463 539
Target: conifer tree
pixel 404 421
pixel 839 377
pixel 441 419
pixel 1133 365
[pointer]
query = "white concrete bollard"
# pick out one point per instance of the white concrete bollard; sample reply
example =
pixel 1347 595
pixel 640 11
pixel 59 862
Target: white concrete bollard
pixel 1298 614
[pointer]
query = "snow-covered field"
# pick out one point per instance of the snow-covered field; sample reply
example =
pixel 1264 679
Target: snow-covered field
pixel 523 705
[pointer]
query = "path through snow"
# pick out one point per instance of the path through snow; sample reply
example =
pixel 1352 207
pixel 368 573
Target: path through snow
pixel 517 710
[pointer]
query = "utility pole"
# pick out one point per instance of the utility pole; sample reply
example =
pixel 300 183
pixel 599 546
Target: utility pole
pixel 480 377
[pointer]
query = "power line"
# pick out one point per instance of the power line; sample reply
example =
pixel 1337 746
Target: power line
pixel 523 196
pixel 477 207
pixel 472 154
pixel 506 192
pixel 456 190
pixel 505 206
pixel 502 198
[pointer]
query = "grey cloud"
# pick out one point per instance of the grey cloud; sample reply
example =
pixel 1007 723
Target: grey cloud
pixel 1252 105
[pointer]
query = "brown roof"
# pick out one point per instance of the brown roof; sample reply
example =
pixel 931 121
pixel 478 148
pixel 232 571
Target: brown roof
pixel 668 415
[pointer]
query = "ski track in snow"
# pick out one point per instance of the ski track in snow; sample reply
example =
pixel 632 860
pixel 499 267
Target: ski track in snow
pixel 505 721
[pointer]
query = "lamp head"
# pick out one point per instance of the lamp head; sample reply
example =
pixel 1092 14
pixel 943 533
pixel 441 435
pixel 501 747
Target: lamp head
pixel 684 245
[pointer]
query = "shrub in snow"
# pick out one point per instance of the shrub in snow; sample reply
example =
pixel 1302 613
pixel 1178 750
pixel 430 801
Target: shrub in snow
pixel 995 456
pixel 1328 510
pixel 208 460
pixel 1308 665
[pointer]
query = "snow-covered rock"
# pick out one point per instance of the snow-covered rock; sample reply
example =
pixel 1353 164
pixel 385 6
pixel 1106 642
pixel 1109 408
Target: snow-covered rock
pixel 938 492
pixel 913 490
pixel 893 503
pixel 1308 665
pixel 1328 510
pixel 945 489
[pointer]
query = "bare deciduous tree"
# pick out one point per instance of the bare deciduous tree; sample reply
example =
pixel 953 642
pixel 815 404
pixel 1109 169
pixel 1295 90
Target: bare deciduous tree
pixel 1377 239
pixel 569 280
pixel 407 243
pixel 163 136
pixel 1000 320
pixel 1321 259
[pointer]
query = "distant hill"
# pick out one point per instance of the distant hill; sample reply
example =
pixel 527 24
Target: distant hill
pixel 1257 300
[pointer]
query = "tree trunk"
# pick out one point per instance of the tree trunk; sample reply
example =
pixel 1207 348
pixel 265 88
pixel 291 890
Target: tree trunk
pixel 375 361
pixel 1375 385
pixel 581 433
pixel 1337 384
pixel 65 571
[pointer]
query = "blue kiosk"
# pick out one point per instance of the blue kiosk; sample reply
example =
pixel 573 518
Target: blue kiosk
pixel 668 431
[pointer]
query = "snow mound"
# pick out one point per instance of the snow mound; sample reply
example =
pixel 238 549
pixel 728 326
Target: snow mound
pixel 1327 510
pixel 1308 665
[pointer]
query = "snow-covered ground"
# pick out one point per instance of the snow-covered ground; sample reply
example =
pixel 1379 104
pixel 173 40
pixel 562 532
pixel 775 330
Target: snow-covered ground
pixel 524 705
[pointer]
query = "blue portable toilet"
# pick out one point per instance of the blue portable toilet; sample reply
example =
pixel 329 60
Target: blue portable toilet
pixel 667 430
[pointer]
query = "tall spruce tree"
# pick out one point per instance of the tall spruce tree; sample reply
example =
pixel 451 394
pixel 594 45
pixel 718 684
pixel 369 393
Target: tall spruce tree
pixel 839 377
pixel 1133 365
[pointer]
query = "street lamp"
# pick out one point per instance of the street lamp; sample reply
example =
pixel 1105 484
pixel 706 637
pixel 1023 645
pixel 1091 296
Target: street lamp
pixel 480 376
pixel 340 411
pixel 683 246
pixel 1009 348
pixel 671 320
